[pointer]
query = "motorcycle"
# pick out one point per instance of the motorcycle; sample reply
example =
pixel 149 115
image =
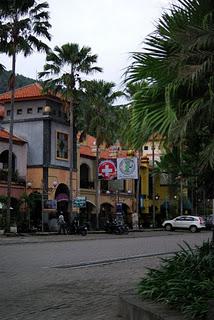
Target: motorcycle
pixel 116 228
pixel 76 228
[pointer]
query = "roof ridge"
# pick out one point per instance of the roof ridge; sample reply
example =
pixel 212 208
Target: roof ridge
pixel 23 87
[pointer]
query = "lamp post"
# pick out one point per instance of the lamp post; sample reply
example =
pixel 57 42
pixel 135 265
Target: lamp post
pixel 175 198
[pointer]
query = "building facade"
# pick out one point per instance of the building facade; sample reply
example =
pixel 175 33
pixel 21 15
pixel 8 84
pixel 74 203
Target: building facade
pixel 42 124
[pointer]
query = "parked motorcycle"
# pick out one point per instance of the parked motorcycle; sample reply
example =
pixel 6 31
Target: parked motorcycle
pixel 75 228
pixel 116 228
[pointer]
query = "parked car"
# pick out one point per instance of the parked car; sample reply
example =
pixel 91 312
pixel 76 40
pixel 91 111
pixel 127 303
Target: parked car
pixel 192 223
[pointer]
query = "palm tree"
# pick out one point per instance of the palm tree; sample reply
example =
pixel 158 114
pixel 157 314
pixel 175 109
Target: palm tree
pixel 177 63
pixel 100 118
pixel 22 24
pixel 62 70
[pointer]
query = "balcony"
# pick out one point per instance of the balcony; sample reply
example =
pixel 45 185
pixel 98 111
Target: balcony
pixel 15 177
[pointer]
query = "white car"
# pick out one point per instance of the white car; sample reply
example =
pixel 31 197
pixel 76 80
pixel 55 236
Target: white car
pixel 192 223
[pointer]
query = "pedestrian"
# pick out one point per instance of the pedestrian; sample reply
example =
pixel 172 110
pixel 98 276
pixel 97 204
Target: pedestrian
pixel 61 223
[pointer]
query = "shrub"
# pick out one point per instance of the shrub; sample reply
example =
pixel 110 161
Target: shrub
pixel 184 281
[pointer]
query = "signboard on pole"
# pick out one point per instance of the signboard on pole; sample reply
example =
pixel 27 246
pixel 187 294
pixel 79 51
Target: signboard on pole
pixel 127 168
pixel 107 169
pixel 79 202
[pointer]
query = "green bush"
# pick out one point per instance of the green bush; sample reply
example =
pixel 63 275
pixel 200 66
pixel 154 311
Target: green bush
pixel 184 281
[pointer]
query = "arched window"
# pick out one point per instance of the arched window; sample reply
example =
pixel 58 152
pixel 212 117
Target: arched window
pixel 4 161
pixel 84 176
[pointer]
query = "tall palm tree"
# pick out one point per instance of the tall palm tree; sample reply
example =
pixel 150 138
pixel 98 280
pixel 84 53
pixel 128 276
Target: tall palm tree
pixel 100 118
pixel 22 24
pixel 63 72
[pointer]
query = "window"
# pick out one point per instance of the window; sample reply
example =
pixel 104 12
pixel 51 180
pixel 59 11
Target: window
pixel 62 145
pixel 8 112
pixel 146 148
pixel 39 110
pixel 29 110
pixel 84 176
pixel 19 111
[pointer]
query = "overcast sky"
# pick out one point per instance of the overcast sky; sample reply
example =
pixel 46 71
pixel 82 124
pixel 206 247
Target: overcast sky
pixel 112 28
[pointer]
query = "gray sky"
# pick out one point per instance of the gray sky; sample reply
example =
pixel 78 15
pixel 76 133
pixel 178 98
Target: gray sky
pixel 112 28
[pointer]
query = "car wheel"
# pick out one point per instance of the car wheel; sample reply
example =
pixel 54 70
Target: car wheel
pixel 193 229
pixel 168 227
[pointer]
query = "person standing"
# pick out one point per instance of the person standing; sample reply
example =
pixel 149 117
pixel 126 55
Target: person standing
pixel 61 223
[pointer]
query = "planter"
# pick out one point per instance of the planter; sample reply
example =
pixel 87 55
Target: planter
pixel 132 307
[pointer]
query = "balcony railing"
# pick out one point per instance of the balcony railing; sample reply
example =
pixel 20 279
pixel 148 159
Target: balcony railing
pixel 15 177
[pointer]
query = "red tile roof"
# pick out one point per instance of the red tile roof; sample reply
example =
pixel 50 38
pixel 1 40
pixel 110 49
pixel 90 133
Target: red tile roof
pixel 4 136
pixel 31 91
pixel 88 148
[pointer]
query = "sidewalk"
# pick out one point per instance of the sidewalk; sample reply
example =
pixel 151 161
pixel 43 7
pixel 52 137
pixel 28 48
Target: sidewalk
pixel 42 237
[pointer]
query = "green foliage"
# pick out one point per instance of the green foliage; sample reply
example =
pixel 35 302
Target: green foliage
pixel 99 117
pixel 22 24
pixel 65 66
pixel 20 81
pixel 184 281
pixel 177 64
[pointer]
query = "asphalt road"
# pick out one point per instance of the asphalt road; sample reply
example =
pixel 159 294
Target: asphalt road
pixel 59 278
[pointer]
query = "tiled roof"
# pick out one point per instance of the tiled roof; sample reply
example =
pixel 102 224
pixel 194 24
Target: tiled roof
pixel 4 136
pixel 31 91
pixel 88 148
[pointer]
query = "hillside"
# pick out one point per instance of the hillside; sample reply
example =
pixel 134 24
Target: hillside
pixel 20 81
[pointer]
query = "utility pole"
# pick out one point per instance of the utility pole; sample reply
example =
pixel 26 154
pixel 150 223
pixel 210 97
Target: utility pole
pixel 97 188
pixel 181 181
pixel 138 185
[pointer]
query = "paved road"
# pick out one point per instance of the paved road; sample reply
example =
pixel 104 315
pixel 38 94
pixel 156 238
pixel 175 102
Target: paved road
pixel 56 278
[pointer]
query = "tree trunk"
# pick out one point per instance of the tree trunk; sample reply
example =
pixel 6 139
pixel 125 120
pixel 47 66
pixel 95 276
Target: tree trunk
pixel 97 189
pixel 10 152
pixel 153 184
pixel 71 157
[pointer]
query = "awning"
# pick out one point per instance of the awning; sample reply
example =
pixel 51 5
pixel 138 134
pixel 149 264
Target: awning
pixel 91 203
pixel 62 197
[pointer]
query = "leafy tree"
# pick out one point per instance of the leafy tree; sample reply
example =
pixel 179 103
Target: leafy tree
pixel 22 24
pixel 63 69
pixel 177 64
pixel 99 118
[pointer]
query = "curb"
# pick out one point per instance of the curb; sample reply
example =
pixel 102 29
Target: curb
pixel 132 307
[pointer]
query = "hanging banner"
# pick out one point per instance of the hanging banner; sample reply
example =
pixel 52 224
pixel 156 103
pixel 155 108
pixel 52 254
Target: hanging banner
pixel 127 168
pixel 107 169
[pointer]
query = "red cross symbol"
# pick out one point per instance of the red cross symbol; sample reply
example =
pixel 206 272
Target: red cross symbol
pixel 107 170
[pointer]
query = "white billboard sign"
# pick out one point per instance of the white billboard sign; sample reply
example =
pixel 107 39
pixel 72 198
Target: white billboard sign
pixel 127 168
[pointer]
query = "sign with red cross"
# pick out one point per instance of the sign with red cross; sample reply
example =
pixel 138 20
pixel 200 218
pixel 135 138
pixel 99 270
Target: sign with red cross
pixel 107 169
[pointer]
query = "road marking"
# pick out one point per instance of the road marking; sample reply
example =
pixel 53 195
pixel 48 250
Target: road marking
pixel 106 262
